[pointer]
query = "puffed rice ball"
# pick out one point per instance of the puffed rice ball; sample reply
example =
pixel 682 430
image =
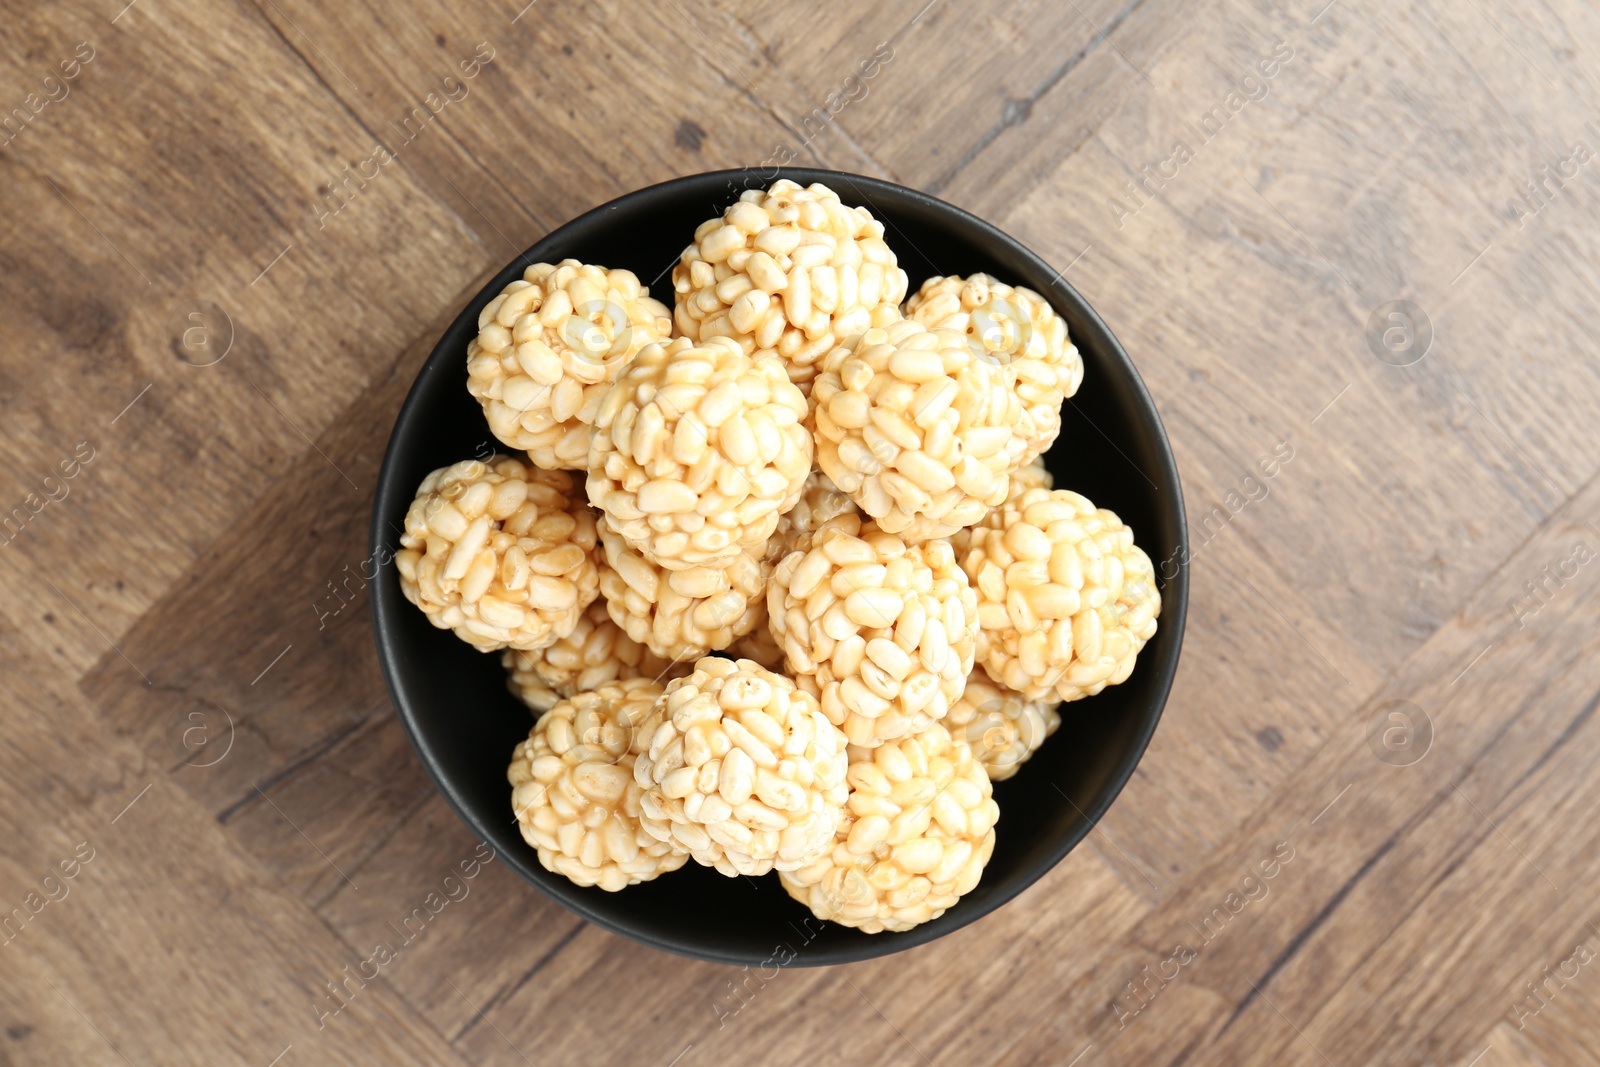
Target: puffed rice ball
pixel 1003 727
pixel 574 795
pixel 1009 324
pixel 548 348
pixel 1065 598
pixel 882 632
pixel 596 653
pixel 790 272
pixel 917 832
pixel 499 552
pixel 741 769
pixel 922 433
pixel 697 450
pixel 681 615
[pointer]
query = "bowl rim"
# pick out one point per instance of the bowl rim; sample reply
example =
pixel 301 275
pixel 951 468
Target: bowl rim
pixel 385 600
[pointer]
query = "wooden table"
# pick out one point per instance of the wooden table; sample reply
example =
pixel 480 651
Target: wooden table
pixel 232 233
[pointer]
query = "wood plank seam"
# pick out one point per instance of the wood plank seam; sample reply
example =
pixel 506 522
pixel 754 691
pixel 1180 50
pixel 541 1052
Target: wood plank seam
pixel 1018 112
pixel 507 992
pixel 359 121
pixel 1584 714
pixel 749 88
pixel 1560 518
pixel 1439 798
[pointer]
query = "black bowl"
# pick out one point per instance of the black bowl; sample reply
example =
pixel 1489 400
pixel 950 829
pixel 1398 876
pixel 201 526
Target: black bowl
pixel 464 723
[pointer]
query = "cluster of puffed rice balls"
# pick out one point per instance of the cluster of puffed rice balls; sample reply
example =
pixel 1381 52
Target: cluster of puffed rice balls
pixel 839 493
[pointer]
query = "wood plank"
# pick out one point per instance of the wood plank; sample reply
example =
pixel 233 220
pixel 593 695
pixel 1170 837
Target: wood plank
pixel 897 1010
pixel 268 633
pixel 301 758
pixel 1369 855
pixel 345 801
pixel 1563 1032
pixel 1213 347
pixel 151 186
pixel 1390 558
pixel 492 935
pixel 137 932
pixel 622 100
pixel 1506 1047
pixel 1536 848
pixel 977 75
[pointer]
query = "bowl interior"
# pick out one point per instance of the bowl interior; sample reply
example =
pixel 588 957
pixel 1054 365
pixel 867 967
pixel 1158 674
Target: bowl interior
pixel 464 723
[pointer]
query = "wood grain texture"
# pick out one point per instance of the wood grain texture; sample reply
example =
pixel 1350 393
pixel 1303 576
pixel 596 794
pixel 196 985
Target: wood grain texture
pixel 186 662
pixel 114 233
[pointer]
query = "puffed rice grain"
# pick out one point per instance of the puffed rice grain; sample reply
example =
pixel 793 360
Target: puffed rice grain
pixel 882 632
pixel 596 653
pixel 1066 600
pixel 681 615
pixel 1003 727
pixel 1014 325
pixel 920 432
